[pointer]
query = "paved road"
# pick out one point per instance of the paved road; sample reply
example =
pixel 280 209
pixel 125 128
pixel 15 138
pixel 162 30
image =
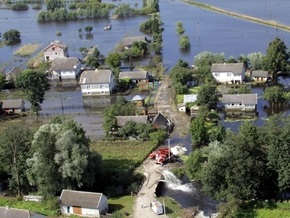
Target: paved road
pixel 164 104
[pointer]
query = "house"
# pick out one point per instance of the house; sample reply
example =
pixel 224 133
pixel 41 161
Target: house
pixel 139 100
pixel 139 78
pixel 97 82
pixel 127 42
pixel 260 75
pixel 56 49
pixel 12 106
pixel 11 75
pixel 161 122
pixel 194 111
pixel 88 204
pixel 240 102
pixel 189 98
pixel 228 72
pixel 7 212
pixel 122 120
pixel 65 68
pixel 181 107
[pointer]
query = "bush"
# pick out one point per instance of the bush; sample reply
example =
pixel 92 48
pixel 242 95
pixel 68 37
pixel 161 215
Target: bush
pixel 20 7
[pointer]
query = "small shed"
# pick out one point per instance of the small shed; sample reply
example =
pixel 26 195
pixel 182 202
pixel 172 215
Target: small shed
pixel 7 212
pixel 13 106
pixel 260 75
pixel 89 204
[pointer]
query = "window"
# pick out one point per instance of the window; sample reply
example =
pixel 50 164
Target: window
pixel 68 209
pixel 88 93
pixel 229 74
pixel 101 86
pixel 88 87
pixel 52 48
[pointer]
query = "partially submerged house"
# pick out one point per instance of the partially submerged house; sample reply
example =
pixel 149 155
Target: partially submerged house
pixel 228 72
pixel 88 204
pixel 97 82
pixel 139 78
pixel 7 212
pixel 65 68
pixel 127 42
pixel 12 106
pixel 11 75
pixel 161 122
pixel 260 75
pixel 240 102
pixel 56 49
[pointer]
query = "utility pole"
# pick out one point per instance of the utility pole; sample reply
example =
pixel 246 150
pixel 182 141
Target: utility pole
pixel 169 153
pixel 61 104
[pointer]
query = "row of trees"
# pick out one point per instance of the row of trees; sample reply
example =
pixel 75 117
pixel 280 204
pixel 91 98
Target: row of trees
pixel 184 41
pixel 250 164
pixel 54 157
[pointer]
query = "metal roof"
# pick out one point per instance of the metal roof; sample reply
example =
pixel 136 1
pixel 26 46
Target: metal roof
pixel 133 74
pixel 95 77
pixel 122 120
pixel 80 198
pixel 240 98
pixel 66 63
pixel 260 73
pixel 235 68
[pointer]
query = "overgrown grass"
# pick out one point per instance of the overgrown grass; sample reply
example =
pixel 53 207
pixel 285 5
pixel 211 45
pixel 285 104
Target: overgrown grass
pixel 122 204
pixel 27 50
pixel 49 207
pixel 12 94
pixel 172 209
pixel 123 154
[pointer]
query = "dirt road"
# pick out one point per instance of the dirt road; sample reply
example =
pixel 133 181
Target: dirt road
pixel 152 171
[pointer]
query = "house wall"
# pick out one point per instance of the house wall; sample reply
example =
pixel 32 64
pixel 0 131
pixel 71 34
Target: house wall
pixel 84 211
pixel 95 89
pixel 54 52
pixel 238 106
pixel 37 215
pixel 103 205
pixel 226 77
pixel 260 79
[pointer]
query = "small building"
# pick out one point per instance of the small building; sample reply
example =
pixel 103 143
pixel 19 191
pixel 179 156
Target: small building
pixel 56 49
pixel 97 82
pixel 65 68
pixel 11 75
pixel 194 111
pixel 139 100
pixel 12 106
pixel 127 42
pixel 260 75
pixel 88 204
pixel 189 98
pixel 240 102
pixel 181 107
pixel 161 122
pixel 7 212
pixel 228 72
pixel 122 120
pixel 139 78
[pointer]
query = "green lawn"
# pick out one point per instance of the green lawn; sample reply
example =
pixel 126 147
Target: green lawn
pixel 281 210
pixel 192 90
pixel 122 204
pixel 123 154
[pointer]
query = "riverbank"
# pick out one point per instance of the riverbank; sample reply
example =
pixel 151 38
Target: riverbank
pixel 271 23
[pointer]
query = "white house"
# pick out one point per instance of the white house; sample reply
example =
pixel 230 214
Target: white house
pixel 240 102
pixel 56 49
pixel 260 75
pixel 65 68
pixel 97 82
pixel 7 212
pixel 88 204
pixel 228 72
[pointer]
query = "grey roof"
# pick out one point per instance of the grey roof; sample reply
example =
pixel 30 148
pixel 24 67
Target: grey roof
pixel 159 120
pixel 95 77
pixel 80 198
pixel 12 104
pixel 6 212
pixel 235 68
pixel 241 98
pixel 189 98
pixel 122 120
pixel 128 41
pixel 14 71
pixel 260 73
pixel 58 44
pixel 66 63
pixel 133 74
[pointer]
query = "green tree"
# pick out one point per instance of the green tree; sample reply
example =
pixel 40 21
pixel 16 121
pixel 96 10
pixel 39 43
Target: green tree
pixel 198 131
pixel 184 42
pixel 113 60
pixel 276 58
pixel 275 94
pixel 2 80
pixel 88 29
pixel 12 36
pixel 51 5
pixel 256 60
pixel 193 165
pixel 34 84
pixel 207 97
pixel 66 158
pixel 15 143
pixel 158 136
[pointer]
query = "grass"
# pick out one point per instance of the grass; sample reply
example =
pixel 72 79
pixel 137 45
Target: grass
pixel 12 94
pixel 27 50
pixel 192 90
pixel 45 207
pixel 172 209
pixel 123 154
pixel 122 204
